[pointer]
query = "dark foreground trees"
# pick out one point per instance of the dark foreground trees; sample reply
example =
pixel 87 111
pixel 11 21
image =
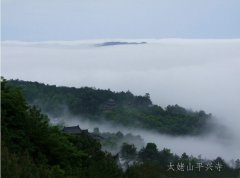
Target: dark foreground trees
pixel 33 149
pixel 164 164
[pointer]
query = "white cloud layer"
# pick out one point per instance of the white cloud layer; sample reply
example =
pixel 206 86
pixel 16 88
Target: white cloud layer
pixel 197 74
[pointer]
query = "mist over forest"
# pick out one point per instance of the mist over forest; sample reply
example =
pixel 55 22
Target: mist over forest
pixel 209 146
pixel 196 74
pixel 198 78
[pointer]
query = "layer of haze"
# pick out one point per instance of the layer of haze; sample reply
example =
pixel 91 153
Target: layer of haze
pixel 196 74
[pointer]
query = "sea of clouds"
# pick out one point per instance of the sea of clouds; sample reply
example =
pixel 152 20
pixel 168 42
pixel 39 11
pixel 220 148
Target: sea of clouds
pixel 196 74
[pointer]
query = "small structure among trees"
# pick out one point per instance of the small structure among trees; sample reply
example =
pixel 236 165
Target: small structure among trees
pixel 74 130
pixel 109 105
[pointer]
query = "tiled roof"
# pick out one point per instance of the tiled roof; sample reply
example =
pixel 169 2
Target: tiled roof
pixel 72 130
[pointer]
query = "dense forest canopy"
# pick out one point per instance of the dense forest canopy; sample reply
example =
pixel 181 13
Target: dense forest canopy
pixel 122 108
pixel 31 148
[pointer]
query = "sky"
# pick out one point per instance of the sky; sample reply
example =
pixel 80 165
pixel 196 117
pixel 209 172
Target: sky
pixel 47 20
pixel 195 74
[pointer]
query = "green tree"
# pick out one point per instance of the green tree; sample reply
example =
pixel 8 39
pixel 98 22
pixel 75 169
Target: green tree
pixel 149 153
pixel 128 151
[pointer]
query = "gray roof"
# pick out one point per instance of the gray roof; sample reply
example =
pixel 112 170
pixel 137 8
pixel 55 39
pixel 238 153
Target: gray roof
pixel 72 129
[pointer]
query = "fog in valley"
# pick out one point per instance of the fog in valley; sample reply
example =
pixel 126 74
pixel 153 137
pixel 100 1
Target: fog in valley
pixel 195 74
pixel 208 146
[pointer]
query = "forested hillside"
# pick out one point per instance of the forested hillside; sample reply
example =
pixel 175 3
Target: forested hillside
pixel 122 108
pixel 31 148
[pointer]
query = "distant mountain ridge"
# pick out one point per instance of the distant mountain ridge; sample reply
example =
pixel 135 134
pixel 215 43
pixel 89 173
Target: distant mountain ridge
pixel 115 43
